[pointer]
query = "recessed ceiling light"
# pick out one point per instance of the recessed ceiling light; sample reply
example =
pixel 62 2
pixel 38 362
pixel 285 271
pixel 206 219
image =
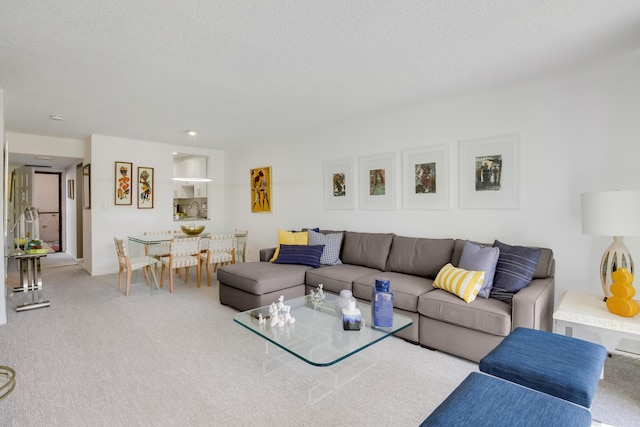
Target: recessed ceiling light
pixel 191 132
pixel 57 117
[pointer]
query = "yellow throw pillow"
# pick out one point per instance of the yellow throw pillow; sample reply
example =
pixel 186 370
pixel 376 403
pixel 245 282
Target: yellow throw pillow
pixel 290 238
pixel 462 283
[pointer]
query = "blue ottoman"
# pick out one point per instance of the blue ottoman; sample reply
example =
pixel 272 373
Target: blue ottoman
pixel 483 400
pixel 561 366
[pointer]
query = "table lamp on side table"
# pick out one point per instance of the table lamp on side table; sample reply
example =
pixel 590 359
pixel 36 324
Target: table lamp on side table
pixel 616 214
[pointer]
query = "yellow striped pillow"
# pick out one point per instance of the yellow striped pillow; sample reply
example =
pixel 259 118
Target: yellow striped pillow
pixel 463 283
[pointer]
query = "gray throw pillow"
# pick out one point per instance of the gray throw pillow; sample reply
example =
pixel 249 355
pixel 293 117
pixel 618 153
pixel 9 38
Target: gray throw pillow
pixel 480 258
pixel 332 243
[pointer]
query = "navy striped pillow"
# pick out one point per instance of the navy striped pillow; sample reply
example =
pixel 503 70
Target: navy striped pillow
pixel 300 254
pixel 515 268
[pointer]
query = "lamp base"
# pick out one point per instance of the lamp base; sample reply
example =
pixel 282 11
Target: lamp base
pixel 616 256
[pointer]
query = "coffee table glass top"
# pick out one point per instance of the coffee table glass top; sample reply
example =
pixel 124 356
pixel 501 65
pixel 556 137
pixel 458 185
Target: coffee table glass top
pixel 317 336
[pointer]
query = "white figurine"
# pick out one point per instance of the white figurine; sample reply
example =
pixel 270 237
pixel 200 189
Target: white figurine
pixel 288 318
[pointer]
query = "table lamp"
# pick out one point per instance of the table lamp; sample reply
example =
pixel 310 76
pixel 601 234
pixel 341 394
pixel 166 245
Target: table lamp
pixel 616 214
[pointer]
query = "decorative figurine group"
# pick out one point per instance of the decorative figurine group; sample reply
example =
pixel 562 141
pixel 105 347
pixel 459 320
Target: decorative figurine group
pixel 317 296
pixel 279 313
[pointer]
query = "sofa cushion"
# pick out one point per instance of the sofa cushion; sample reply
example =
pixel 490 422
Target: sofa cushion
pixel 332 243
pixel 336 278
pixel 300 254
pixel 262 277
pixel 460 282
pixel 406 288
pixel 366 249
pixel 485 315
pixel 419 256
pixel 290 238
pixel 515 268
pixel 477 257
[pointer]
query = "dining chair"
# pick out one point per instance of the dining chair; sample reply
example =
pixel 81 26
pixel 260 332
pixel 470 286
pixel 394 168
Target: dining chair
pixel 183 252
pixel 241 244
pixel 221 250
pixel 130 264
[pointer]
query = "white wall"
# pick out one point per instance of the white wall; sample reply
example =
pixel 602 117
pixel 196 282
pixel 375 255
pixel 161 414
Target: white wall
pixel 24 143
pixel 578 133
pixel 3 305
pixel 105 220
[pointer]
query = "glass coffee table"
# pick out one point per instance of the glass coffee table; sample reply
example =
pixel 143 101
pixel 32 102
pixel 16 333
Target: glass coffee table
pixel 317 338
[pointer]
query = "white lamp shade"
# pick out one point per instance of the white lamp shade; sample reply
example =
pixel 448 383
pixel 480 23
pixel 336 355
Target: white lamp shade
pixel 611 213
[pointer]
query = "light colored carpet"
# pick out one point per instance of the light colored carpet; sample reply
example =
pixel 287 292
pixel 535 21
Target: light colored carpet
pixel 98 358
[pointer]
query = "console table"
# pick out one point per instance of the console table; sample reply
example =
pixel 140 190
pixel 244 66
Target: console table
pixel 589 313
pixel 31 280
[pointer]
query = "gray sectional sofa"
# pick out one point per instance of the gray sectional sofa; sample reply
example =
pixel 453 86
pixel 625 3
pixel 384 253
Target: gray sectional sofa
pixel 441 320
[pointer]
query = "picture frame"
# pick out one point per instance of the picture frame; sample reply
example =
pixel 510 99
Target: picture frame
pixel 425 177
pixel 146 186
pixel 489 172
pixel 260 182
pixel 377 181
pixel 71 191
pixel 86 186
pixel 339 185
pixel 122 195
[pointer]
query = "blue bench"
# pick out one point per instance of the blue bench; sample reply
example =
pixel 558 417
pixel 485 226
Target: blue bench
pixel 483 400
pixel 564 367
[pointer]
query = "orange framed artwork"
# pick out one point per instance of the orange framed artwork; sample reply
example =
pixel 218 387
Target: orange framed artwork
pixel 261 190
pixel 123 183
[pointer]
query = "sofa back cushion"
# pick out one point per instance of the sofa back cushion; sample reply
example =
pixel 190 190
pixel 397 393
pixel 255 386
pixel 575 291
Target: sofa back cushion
pixel 419 256
pixel 366 249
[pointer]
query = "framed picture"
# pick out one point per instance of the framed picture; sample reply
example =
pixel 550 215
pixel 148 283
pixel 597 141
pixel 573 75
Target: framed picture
pixel 425 177
pixel 377 181
pixel 86 186
pixel 338 184
pixel 71 191
pixel 261 190
pixel 489 172
pixel 145 187
pixel 122 183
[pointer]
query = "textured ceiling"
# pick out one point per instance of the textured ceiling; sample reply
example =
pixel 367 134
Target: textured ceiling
pixel 241 71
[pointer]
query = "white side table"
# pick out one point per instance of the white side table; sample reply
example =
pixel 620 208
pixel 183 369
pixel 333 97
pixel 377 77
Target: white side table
pixel 589 313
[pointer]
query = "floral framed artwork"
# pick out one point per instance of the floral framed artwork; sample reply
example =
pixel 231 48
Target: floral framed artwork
pixel 425 177
pixel 122 183
pixel 338 184
pixel 377 181
pixel 145 187
pixel 489 171
pixel 261 190
pixel 86 186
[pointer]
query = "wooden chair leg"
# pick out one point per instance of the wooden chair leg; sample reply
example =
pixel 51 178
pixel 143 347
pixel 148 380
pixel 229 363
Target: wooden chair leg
pixel 145 270
pixel 162 277
pixel 198 273
pixel 120 278
pixel 171 280
pixel 126 292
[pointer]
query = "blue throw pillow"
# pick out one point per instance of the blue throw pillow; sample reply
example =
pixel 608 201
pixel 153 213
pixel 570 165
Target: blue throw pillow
pixel 515 268
pixel 300 254
pixel 332 243
pixel 480 258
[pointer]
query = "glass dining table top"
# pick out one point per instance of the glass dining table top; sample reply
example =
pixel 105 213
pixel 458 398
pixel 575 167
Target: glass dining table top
pixel 317 335
pixel 151 239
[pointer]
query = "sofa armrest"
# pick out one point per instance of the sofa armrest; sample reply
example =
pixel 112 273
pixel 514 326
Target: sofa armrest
pixel 533 305
pixel 267 254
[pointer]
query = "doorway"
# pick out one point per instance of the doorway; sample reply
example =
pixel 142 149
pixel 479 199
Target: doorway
pixel 47 197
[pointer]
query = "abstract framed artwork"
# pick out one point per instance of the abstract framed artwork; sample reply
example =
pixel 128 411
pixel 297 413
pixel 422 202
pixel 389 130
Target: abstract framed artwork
pixel 425 177
pixel 377 181
pixel 122 183
pixel 339 184
pixel 489 172
pixel 71 189
pixel 261 190
pixel 86 186
pixel 145 187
